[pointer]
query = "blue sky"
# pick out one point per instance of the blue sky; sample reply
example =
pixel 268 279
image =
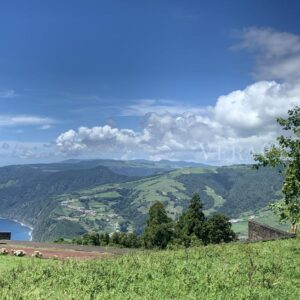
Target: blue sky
pixel 125 69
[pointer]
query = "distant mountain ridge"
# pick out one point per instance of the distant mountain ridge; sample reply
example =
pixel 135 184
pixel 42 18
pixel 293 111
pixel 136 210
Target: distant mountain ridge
pixel 73 197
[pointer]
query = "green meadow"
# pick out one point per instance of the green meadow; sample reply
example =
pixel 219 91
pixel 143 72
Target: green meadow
pixel 264 270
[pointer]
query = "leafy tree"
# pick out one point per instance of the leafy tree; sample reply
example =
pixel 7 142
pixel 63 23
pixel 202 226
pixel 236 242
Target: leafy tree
pixel 115 238
pixel 191 222
pixel 219 229
pixel 104 239
pixel 159 229
pixel 286 153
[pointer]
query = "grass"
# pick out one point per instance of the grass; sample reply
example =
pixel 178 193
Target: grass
pixel 218 200
pixel 268 270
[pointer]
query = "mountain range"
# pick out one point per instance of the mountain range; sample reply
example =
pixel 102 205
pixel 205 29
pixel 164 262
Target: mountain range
pixel 72 197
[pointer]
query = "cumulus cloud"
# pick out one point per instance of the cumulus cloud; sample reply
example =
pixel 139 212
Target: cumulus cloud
pixel 255 108
pixel 239 123
pixel 277 53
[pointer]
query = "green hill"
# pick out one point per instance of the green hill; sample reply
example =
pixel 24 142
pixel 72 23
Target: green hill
pixel 266 270
pixel 69 198
pixel 238 191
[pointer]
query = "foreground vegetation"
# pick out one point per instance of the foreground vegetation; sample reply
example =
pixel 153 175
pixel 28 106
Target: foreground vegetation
pixel 286 155
pixel 192 228
pixel 267 270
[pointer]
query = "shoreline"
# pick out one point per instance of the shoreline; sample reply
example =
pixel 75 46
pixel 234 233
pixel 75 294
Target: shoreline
pixel 22 224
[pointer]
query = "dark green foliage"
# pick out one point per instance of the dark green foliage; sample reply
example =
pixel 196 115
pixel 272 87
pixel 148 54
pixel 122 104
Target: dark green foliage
pixel 157 215
pixel 191 223
pixel 219 230
pixel 192 228
pixel 159 227
pixel 287 155
pixel 242 187
pixel 66 229
pixel 117 239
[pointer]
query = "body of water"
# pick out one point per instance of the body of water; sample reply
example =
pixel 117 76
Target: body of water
pixel 19 232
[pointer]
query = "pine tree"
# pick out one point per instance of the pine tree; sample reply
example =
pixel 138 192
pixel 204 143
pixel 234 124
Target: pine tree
pixel 159 229
pixel 191 223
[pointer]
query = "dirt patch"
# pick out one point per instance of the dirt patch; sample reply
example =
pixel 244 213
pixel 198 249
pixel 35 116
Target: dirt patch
pixel 64 251
pixel 61 254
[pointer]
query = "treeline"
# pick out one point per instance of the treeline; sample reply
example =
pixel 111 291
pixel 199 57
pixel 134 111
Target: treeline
pixel 192 228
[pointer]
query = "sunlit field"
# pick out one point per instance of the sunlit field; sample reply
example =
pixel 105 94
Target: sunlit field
pixel 266 270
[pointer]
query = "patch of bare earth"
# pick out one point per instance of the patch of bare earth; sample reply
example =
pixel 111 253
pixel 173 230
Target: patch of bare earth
pixel 58 253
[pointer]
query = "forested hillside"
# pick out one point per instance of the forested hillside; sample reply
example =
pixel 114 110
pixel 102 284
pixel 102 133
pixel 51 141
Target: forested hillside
pixel 73 197
pixel 124 205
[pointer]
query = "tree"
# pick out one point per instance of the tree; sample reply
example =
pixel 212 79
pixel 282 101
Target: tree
pixel 159 229
pixel 191 222
pixel 286 154
pixel 219 229
pixel 104 239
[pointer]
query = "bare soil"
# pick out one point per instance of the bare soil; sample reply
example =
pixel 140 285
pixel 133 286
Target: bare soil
pixel 63 251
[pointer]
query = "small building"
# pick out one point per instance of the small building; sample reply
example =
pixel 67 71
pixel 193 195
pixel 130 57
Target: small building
pixel 5 235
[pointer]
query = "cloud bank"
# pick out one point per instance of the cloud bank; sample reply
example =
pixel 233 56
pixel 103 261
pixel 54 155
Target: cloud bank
pixel 240 122
pixel 25 120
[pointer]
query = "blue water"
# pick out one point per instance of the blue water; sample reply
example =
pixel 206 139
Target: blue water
pixel 18 231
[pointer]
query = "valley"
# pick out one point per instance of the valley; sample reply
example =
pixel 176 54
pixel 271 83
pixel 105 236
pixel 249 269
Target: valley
pixel 73 197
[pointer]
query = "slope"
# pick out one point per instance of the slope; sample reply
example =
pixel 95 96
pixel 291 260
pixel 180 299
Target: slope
pixel 124 205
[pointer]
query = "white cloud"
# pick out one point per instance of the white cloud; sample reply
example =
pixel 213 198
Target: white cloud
pixel 46 127
pixel 240 122
pixel 7 94
pixel 255 108
pixel 277 53
pixel 17 152
pixel 24 120
pixel 144 106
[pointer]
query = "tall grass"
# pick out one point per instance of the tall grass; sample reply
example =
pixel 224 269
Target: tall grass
pixel 269 270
